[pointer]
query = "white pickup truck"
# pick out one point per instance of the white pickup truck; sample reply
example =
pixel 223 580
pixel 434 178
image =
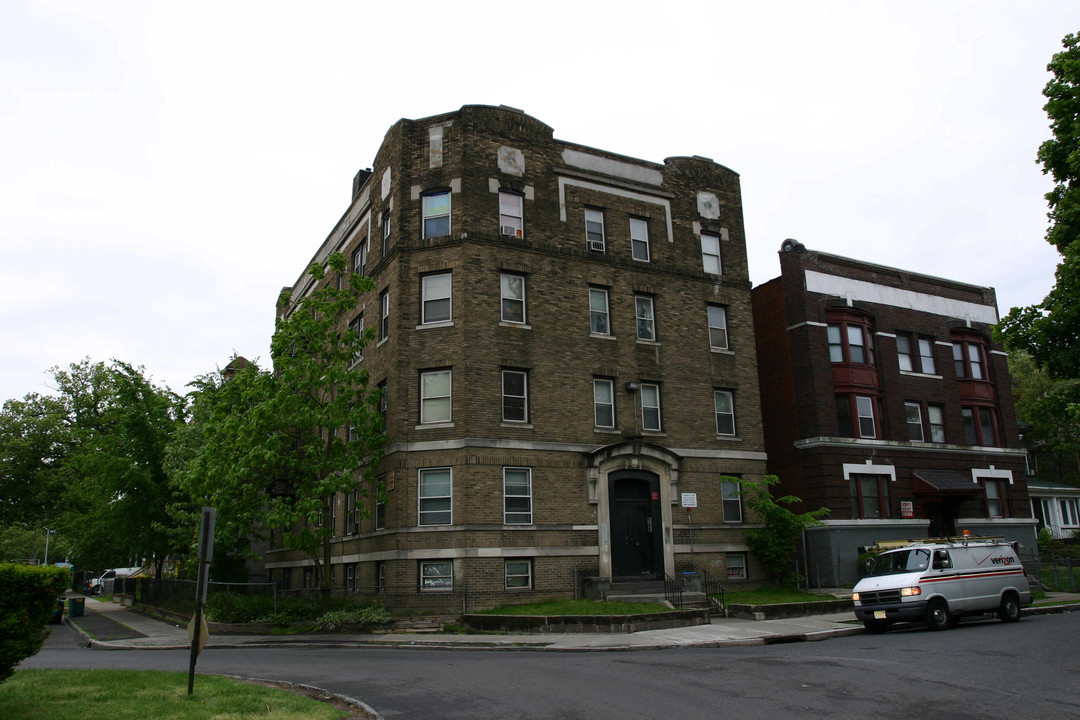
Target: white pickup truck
pixel 104 582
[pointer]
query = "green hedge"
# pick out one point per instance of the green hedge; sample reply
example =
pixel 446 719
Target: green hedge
pixel 27 600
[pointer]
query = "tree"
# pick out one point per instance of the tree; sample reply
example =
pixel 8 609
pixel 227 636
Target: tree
pixel 87 460
pixel 1051 406
pixel 277 447
pixel 1048 331
pixel 774 544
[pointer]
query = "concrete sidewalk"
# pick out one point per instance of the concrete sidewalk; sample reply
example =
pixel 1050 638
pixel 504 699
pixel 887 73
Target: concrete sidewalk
pixel 111 626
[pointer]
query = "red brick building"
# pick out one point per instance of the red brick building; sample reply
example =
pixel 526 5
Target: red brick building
pixel 565 341
pixel 886 400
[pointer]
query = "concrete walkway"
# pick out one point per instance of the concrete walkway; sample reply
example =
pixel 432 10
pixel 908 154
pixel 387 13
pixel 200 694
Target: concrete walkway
pixel 111 626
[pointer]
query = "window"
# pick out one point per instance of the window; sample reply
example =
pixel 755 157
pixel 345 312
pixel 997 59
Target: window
pixel 517 496
pixel 437 214
pixel 386 233
pixel 936 415
pixel 870 496
pixel 913 411
pixel 436 502
pixel 736 566
pixel 515 396
pixel 603 403
pixel 599 319
pixel 710 253
pixel 384 402
pixel 518 574
pixel 650 407
pixel 724 403
pixel 903 353
pixel 646 320
pixel 926 356
pixel 435 291
pixel 639 239
pixel 864 406
pixel 380 502
pixel 435 400
pixel 512 296
pixel 594 229
pixel 435 576
pixel 718 333
pixel 380 574
pixel 856 416
pixel 978 426
pixel 969 359
pixel 350 576
pixel 510 217
pixel 850 342
pixel 732 501
pixel 359 258
pixel 1069 514
pixel 384 315
pixel 996 501
pixel 352 512
pixel 357 326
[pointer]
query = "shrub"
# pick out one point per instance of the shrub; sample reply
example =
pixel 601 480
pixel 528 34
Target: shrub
pixel 357 615
pixel 27 600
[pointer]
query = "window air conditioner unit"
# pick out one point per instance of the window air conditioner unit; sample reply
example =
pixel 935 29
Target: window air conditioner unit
pixel 511 231
pixel 597 245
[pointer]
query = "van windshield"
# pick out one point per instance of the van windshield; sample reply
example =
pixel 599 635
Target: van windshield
pixel 899 561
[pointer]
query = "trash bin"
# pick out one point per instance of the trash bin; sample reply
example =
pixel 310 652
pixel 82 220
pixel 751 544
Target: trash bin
pixel 75 606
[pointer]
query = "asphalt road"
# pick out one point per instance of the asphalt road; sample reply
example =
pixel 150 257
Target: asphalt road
pixel 978 670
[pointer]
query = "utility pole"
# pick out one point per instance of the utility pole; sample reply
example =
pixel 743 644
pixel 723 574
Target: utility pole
pixel 48 533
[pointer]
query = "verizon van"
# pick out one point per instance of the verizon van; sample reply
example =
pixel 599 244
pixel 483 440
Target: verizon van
pixel 937 582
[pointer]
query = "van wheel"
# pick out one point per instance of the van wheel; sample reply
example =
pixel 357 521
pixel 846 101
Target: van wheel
pixel 937 615
pixel 1009 611
pixel 875 627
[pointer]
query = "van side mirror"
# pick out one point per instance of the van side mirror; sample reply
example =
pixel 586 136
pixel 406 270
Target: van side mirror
pixel 941 560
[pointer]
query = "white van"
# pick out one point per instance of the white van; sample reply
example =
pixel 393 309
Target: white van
pixel 938 581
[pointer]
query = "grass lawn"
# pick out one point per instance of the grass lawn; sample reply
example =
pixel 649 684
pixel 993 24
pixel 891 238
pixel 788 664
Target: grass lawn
pixel 137 695
pixel 772 595
pixel 579 607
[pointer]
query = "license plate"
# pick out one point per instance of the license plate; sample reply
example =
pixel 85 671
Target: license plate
pixel 879 614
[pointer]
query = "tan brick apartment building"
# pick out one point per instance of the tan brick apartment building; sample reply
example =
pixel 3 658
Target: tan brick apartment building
pixel 565 340
pixel 886 400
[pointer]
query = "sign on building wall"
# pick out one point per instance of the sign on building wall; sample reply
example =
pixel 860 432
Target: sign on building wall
pixel 689 500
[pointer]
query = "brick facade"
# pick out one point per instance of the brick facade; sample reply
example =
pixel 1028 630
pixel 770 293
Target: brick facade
pixel 589 516
pixel 940 452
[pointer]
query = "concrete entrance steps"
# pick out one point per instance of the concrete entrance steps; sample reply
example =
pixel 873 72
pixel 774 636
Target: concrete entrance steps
pixel 653 591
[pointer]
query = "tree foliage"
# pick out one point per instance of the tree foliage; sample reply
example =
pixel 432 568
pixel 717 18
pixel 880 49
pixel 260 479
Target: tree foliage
pixel 775 542
pixel 1051 406
pixel 87 460
pixel 1049 330
pixel 274 448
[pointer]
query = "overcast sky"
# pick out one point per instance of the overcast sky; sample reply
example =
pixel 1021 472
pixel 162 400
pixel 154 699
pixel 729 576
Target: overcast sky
pixel 165 168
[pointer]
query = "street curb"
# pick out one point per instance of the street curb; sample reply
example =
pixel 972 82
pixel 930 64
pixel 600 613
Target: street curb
pixel 323 691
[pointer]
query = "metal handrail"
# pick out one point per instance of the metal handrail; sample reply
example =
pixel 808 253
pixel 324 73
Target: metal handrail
pixel 673 591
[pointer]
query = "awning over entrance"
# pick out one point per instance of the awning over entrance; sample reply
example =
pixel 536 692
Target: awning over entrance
pixel 945 482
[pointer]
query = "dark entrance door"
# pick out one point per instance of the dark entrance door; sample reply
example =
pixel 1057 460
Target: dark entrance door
pixel 636 543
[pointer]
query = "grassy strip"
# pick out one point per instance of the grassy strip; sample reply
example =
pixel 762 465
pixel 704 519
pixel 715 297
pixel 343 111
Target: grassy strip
pixel 137 695
pixel 773 595
pixel 579 607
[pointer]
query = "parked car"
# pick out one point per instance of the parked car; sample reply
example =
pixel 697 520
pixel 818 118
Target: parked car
pixel 938 582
